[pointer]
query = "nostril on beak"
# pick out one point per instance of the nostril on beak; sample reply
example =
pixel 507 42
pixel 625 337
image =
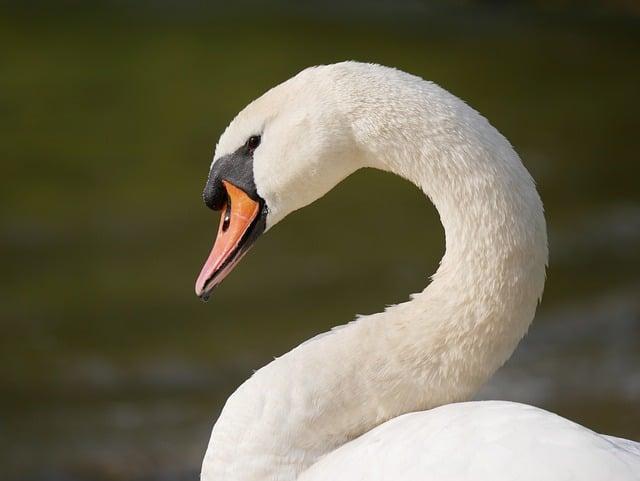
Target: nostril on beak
pixel 227 216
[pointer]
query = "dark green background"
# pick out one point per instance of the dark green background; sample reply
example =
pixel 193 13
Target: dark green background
pixel 110 367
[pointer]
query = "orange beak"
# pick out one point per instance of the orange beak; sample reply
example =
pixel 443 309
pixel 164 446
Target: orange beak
pixel 239 215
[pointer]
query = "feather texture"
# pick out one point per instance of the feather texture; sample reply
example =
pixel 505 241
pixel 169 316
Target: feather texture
pixel 335 407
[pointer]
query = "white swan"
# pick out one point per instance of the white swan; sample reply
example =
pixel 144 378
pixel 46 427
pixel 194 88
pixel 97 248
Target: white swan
pixel 334 408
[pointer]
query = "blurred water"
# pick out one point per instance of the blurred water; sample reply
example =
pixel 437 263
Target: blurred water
pixel 112 369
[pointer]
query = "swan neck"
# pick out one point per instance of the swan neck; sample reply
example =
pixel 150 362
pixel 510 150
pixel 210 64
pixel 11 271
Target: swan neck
pixel 437 348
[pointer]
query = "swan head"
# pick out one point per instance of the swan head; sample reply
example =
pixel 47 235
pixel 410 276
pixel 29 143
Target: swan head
pixel 293 144
pixel 283 151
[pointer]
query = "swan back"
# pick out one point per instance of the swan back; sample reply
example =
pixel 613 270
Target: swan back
pixel 480 441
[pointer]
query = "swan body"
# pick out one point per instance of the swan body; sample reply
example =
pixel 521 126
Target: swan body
pixel 380 398
pixel 488 440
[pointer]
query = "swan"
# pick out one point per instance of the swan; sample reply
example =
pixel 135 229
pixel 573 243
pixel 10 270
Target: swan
pixel 385 397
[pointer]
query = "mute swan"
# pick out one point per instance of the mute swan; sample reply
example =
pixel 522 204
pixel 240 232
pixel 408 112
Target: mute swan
pixel 336 407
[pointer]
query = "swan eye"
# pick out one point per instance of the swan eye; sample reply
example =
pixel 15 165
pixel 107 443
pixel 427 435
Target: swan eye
pixel 253 143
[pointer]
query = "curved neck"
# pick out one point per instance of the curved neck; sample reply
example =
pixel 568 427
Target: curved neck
pixel 439 347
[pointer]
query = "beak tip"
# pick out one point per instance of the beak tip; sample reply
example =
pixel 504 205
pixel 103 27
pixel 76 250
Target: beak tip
pixel 199 290
pixel 202 291
pixel 203 295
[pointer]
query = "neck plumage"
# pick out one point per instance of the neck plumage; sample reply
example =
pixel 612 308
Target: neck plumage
pixel 437 348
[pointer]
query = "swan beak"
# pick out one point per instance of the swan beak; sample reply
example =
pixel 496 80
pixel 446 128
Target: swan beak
pixel 239 217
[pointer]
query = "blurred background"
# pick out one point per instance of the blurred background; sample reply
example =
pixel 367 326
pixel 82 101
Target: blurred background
pixel 111 368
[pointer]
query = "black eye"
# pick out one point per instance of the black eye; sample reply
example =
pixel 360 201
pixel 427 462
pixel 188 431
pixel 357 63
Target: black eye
pixel 253 142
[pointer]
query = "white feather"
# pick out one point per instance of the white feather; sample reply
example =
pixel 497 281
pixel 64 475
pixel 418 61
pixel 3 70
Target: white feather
pixel 490 440
pixel 312 413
